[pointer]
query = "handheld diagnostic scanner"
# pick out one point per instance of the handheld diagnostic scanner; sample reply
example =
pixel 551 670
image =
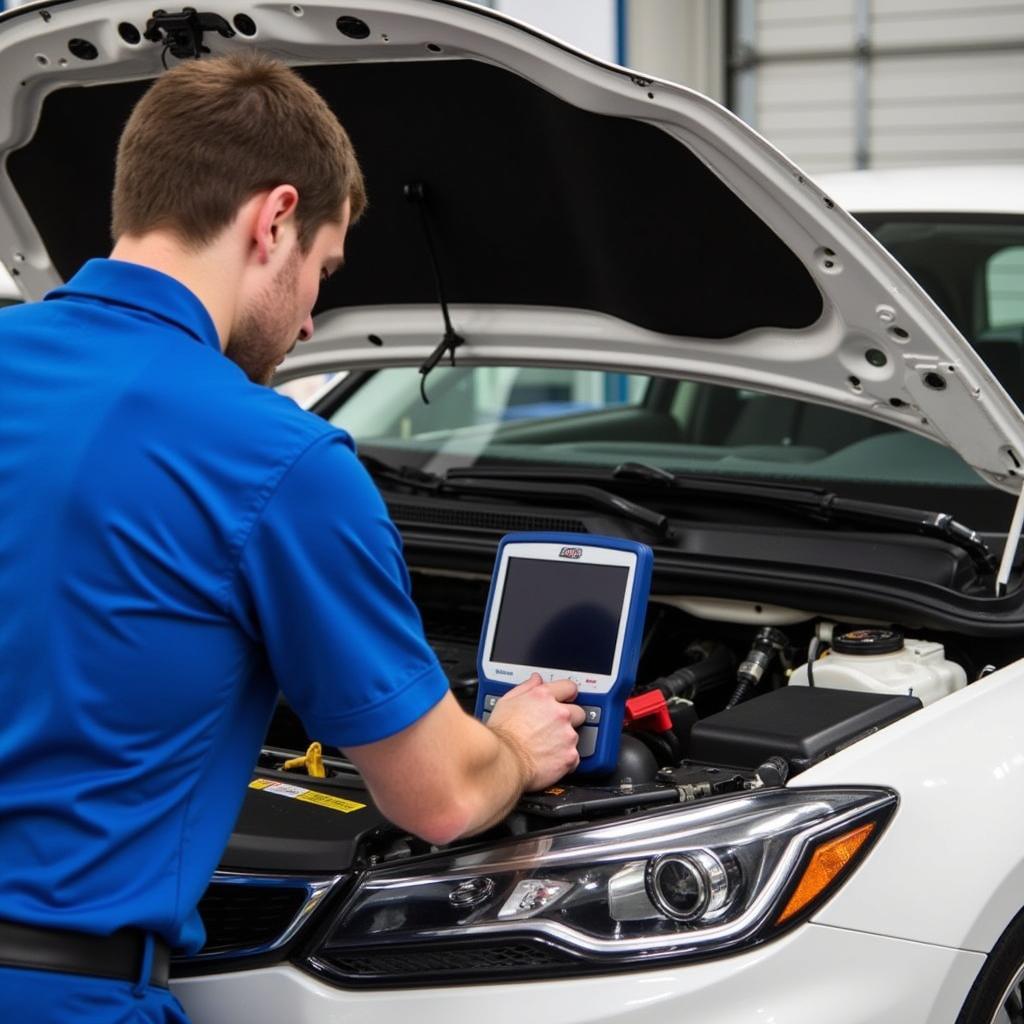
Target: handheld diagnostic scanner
pixel 569 606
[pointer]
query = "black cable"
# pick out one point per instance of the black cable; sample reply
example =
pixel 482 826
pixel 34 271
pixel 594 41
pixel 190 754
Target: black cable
pixel 812 656
pixel 416 192
pixel 712 665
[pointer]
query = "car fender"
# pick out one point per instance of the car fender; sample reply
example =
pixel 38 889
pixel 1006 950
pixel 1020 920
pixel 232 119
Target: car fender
pixel 950 867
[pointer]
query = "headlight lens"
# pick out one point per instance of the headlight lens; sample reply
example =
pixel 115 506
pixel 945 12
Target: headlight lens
pixel 672 885
pixel 689 886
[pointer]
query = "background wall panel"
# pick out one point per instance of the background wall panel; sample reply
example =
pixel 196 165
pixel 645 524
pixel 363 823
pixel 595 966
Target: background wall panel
pixel 838 84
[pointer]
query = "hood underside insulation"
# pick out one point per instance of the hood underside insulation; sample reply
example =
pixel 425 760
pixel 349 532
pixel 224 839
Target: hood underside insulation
pixel 531 201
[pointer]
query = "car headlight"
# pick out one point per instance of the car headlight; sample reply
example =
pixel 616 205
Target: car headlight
pixel 673 885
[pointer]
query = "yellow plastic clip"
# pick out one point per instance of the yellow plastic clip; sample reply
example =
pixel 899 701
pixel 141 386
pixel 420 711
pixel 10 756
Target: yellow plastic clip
pixel 312 760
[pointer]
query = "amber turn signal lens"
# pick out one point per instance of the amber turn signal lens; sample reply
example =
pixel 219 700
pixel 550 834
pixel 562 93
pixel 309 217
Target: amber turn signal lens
pixel 826 865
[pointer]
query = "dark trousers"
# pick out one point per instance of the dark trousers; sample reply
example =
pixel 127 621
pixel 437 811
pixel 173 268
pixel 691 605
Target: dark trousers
pixel 46 997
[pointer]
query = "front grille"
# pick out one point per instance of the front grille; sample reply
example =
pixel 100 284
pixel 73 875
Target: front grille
pixel 239 917
pixel 501 522
pixel 397 964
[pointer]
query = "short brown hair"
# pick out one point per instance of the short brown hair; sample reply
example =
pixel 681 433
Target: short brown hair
pixel 210 134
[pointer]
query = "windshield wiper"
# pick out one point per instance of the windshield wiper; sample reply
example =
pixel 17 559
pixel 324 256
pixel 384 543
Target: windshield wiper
pixel 465 480
pixel 407 476
pixel 813 502
pixel 595 497
pixel 826 506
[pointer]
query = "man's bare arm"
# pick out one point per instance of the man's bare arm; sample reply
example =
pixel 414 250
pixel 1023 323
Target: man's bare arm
pixel 448 775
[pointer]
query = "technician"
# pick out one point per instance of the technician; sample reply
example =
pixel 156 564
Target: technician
pixel 178 543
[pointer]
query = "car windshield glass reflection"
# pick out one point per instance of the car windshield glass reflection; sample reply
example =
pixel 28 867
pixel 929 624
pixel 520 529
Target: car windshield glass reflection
pixel 554 415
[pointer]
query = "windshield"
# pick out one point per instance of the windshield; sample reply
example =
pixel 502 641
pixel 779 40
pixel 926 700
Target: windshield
pixel 508 415
pixel 584 417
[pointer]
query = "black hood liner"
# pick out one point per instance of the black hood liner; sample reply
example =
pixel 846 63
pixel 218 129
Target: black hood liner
pixel 532 202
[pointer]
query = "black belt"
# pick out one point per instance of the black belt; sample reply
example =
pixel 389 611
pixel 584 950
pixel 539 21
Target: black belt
pixel 117 956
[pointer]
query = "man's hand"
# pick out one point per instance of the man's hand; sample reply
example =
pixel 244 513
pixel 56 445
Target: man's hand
pixel 447 775
pixel 536 720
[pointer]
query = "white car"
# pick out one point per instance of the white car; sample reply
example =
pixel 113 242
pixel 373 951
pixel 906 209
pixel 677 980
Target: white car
pixel 8 291
pixel 644 322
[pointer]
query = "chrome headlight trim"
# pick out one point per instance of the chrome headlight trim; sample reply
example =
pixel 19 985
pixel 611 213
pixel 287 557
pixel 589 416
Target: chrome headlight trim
pixel 787 823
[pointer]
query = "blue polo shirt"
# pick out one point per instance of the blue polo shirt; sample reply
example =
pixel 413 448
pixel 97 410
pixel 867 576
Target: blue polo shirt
pixel 176 545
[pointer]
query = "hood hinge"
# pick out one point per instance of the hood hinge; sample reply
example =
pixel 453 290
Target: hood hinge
pixel 182 33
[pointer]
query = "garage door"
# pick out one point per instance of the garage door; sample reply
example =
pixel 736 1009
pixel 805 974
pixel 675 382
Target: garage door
pixel 838 84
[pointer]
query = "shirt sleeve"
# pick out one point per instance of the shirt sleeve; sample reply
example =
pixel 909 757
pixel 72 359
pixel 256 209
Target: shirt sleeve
pixel 322 583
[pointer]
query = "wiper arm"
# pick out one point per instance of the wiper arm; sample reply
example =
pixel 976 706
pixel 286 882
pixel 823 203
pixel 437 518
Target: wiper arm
pixel 826 506
pixel 928 524
pixel 814 502
pixel 642 473
pixel 755 490
pixel 465 480
pixel 407 476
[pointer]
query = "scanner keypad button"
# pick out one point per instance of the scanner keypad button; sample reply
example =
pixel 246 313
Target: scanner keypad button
pixel 593 715
pixel 587 743
pixel 489 701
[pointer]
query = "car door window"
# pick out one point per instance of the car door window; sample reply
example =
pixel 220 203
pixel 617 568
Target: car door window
pixel 1004 288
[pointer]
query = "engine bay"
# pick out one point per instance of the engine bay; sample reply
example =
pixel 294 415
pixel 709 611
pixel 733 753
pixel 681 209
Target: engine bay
pixel 720 707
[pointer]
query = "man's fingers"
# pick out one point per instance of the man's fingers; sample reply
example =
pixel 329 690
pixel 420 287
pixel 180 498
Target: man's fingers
pixel 530 683
pixel 577 715
pixel 563 690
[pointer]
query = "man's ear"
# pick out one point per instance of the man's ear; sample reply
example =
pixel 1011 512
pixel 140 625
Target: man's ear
pixel 274 210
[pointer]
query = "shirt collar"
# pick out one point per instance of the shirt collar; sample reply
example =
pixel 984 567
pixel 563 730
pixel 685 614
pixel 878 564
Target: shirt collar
pixel 134 286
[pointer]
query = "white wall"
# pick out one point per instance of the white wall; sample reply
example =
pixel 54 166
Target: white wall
pixel 683 42
pixel 588 25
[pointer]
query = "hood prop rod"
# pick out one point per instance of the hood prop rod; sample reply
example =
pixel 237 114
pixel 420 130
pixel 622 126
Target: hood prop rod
pixel 416 192
pixel 1012 540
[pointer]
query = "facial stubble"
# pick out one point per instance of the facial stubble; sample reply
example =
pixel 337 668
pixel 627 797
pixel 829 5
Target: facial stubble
pixel 266 329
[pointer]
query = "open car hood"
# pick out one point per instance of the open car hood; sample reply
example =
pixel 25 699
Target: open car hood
pixel 582 214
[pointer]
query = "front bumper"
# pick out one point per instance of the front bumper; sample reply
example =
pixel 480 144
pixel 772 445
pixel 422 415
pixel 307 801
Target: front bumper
pixel 815 973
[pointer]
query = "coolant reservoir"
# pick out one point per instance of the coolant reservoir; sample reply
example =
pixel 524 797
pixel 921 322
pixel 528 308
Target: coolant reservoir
pixel 881 661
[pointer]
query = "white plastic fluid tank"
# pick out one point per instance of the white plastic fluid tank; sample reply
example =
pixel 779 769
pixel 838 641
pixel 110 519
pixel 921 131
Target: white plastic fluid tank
pixel 882 661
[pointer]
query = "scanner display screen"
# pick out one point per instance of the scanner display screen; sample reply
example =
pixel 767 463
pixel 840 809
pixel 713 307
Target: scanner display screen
pixel 560 615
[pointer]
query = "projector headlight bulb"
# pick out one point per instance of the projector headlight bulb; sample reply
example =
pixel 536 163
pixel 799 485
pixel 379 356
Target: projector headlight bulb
pixel 687 886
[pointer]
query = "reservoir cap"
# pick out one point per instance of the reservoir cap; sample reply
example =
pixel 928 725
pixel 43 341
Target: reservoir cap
pixel 868 641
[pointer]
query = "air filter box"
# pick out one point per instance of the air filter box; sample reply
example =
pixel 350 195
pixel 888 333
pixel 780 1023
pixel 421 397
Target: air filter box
pixel 802 724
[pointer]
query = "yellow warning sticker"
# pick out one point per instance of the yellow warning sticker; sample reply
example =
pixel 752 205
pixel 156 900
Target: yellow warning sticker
pixel 336 803
pixel 309 796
